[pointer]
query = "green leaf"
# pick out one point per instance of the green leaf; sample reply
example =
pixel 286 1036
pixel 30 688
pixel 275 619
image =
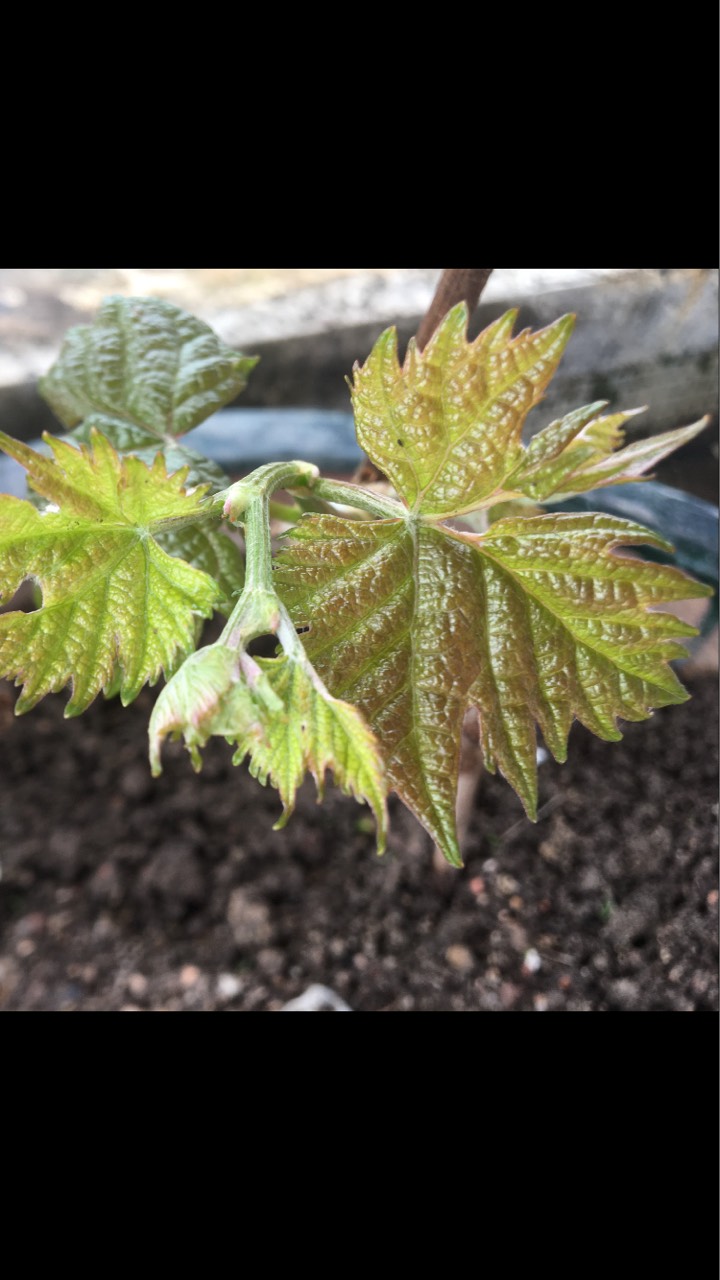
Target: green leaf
pixel 206 547
pixel 149 365
pixel 445 428
pixel 113 599
pixel 144 373
pixel 578 454
pixel 277 711
pixel 536 622
pixel 145 445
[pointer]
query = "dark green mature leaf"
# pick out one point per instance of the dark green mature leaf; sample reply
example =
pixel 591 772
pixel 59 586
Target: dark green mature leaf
pixel 144 373
pixel 536 622
pixel 146 365
pixel 113 600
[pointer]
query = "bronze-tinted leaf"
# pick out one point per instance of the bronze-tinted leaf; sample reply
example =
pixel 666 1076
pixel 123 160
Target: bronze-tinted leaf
pixel 445 427
pixel 535 623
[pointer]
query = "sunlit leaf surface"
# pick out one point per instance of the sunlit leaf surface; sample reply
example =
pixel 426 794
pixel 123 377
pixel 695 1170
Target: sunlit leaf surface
pixel 116 609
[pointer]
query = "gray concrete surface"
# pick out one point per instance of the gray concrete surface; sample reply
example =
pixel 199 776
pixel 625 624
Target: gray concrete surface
pixel 642 336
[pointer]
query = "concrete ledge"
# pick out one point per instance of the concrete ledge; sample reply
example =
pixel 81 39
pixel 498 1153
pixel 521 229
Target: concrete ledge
pixel 642 336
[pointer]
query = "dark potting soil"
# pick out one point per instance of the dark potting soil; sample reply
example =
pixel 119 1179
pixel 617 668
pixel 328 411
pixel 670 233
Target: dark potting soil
pixel 120 892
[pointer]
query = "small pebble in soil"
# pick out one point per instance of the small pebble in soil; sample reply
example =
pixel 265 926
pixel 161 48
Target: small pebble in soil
pixel 460 957
pixel 249 921
pixel 137 985
pixel 624 993
pixel 317 999
pixel 31 924
pixel 104 929
pixel 270 960
pixel 228 986
pixel 189 976
pixel 135 782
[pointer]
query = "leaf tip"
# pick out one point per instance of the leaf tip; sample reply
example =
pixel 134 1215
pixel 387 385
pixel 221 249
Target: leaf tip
pixel 563 329
pixel 285 816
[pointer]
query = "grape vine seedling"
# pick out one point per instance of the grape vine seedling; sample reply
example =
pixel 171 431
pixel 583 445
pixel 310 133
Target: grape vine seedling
pixel 393 615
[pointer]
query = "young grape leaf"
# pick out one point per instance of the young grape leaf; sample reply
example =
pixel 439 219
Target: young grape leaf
pixel 112 597
pixel 145 445
pixel 578 454
pixel 206 547
pixel 144 373
pixel 277 711
pixel 536 622
pixel 446 426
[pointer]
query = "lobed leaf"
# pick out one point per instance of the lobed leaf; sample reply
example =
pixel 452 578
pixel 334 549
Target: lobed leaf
pixel 144 373
pixel 145 445
pixel 145 364
pixel 579 453
pixel 537 622
pixel 116 607
pixel 277 711
pixel 446 426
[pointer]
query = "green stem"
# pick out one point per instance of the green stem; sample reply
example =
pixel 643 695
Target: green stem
pixel 265 480
pixel 258 610
pixel 169 523
pixel 258 546
pixel 351 495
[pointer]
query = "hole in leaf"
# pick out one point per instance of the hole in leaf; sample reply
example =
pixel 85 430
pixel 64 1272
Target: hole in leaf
pixel 27 598
pixel 263 646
